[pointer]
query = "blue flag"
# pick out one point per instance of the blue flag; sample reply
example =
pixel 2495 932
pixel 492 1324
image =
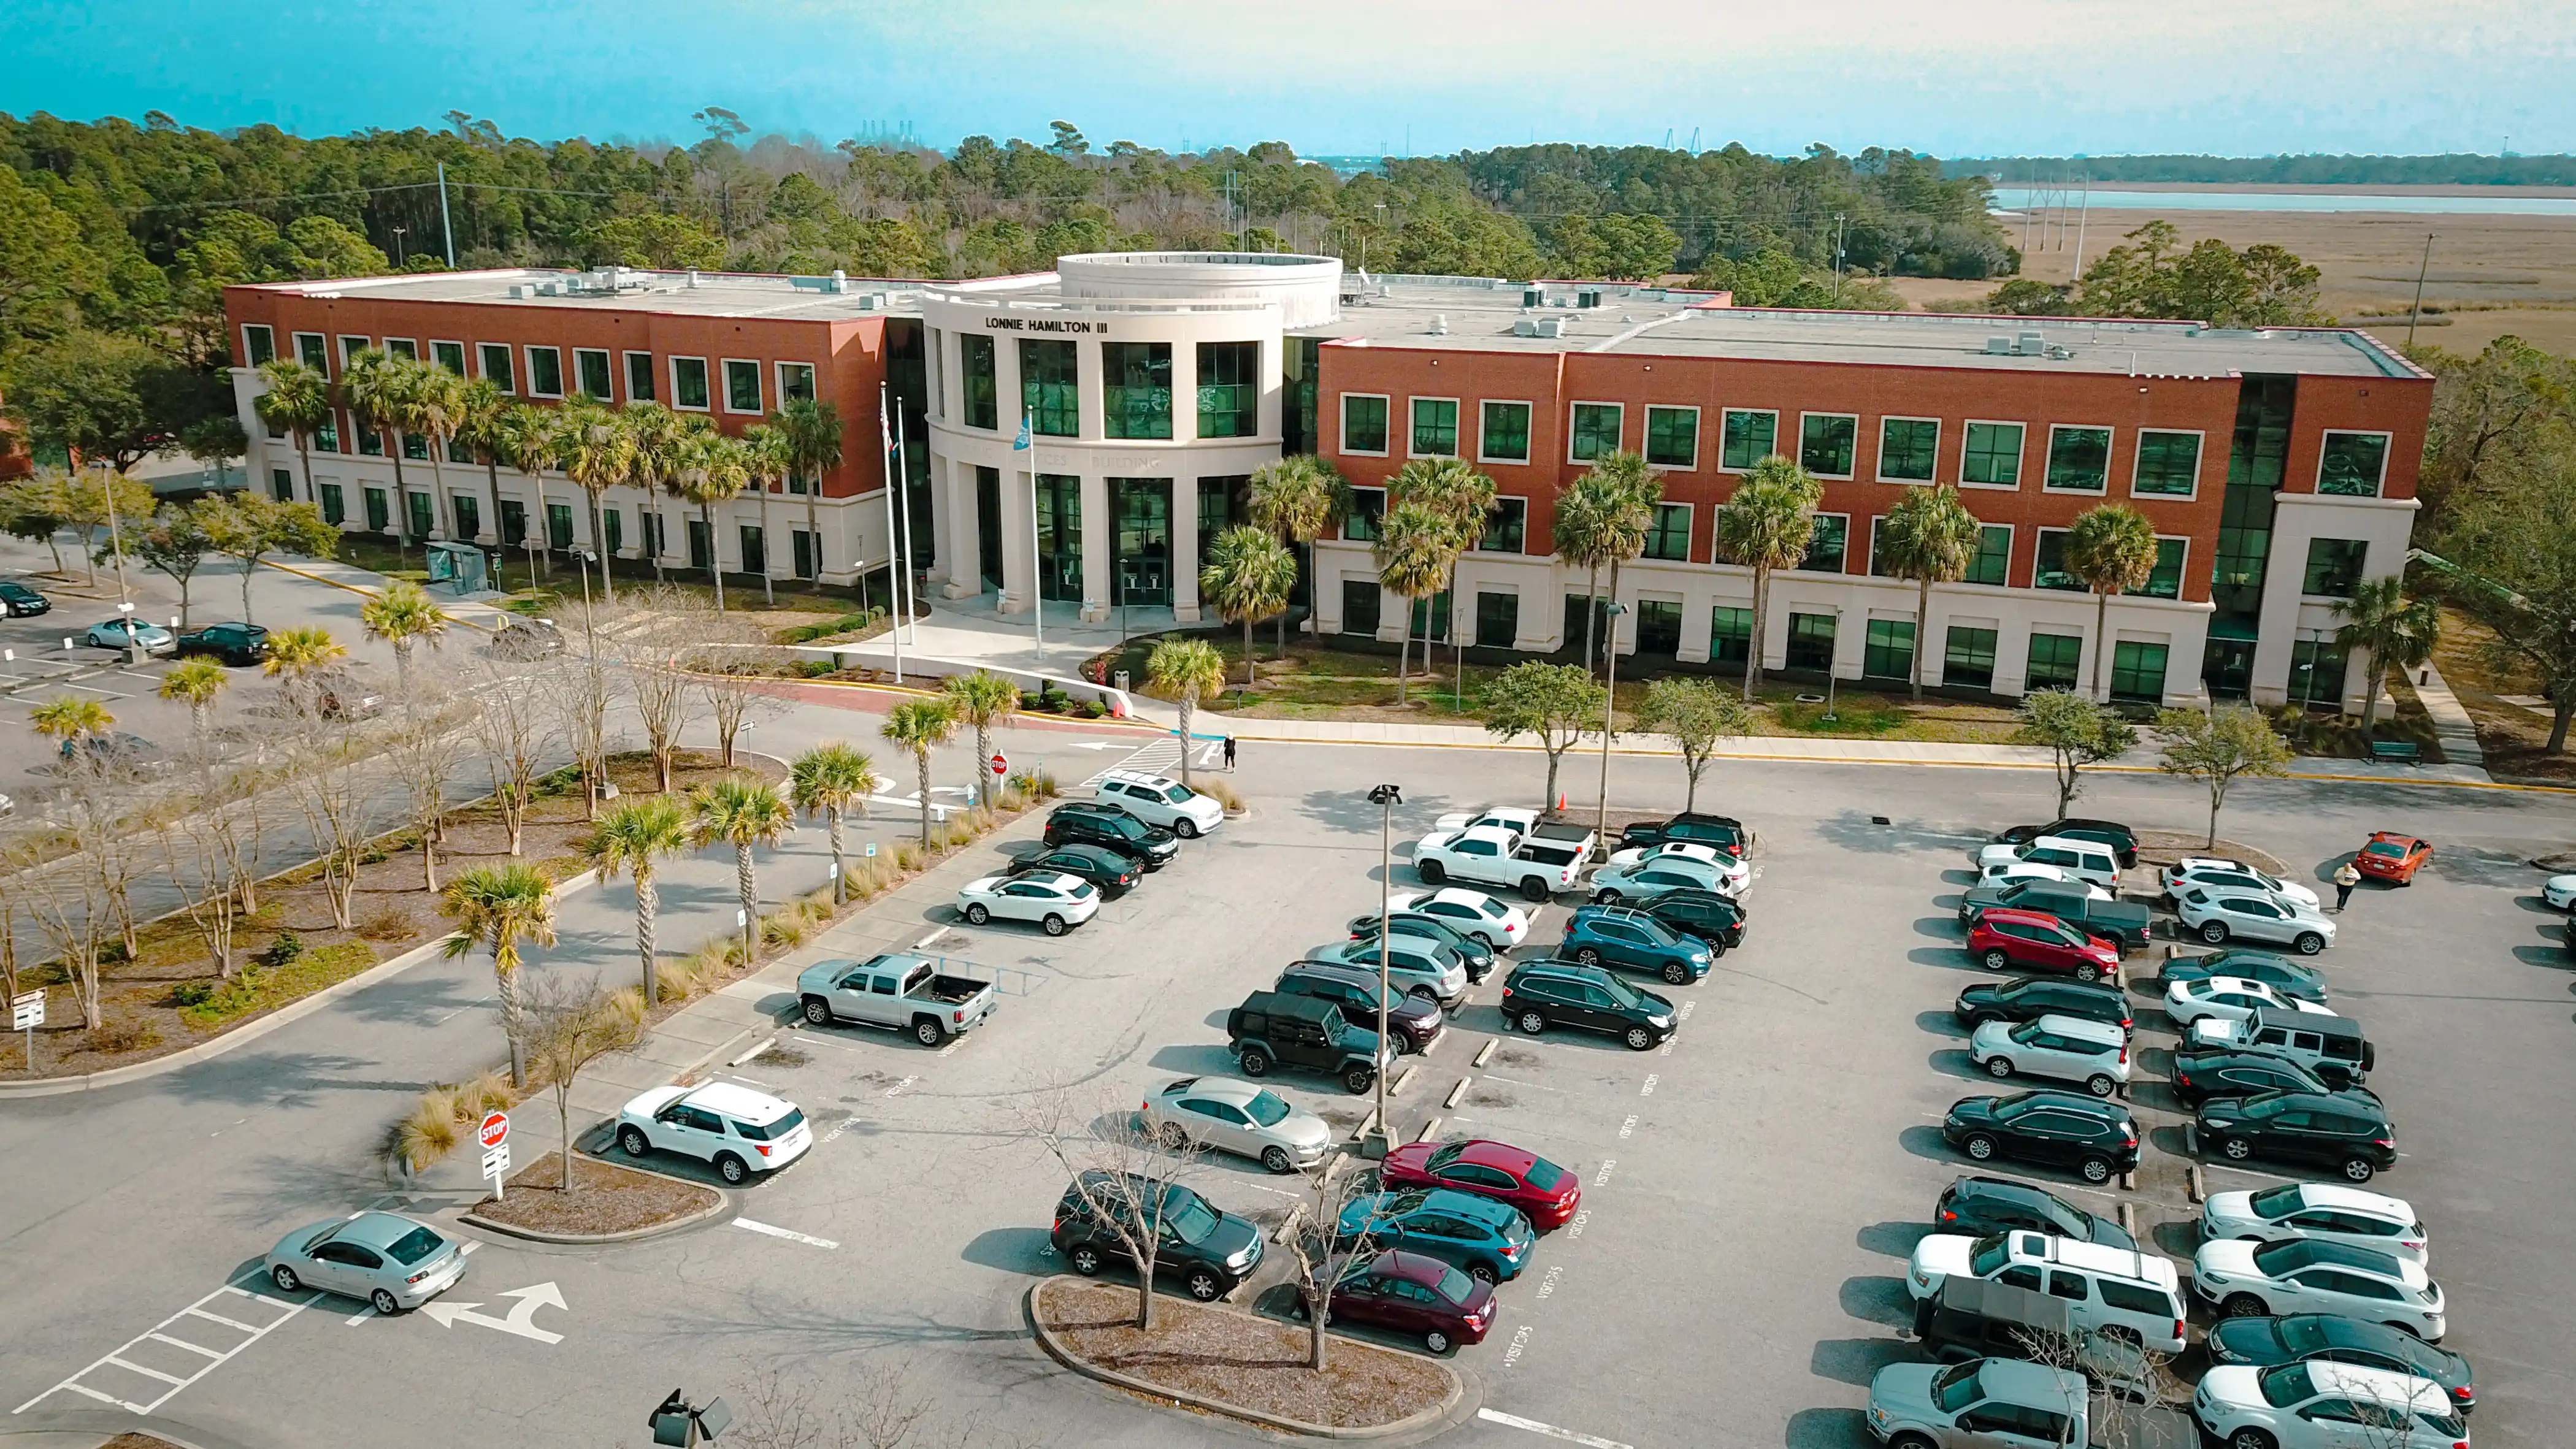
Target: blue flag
pixel 1020 444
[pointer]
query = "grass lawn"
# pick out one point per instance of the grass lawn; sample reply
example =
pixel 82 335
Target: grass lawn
pixel 2513 734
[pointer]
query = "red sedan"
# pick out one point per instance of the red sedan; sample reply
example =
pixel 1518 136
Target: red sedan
pixel 1418 1296
pixel 1544 1192
pixel 2391 856
pixel 2040 943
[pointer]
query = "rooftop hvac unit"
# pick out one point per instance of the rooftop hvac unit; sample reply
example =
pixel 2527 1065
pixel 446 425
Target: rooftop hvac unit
pixel 1525 327
pixel 2060 354
pixel 693 278
pixel 1999 346
pixel 1440 324
pixel 519 290
pixel 2031 345
pixel 1589 297
pixel 1533 297
pixel 867 301
pixel 1555 326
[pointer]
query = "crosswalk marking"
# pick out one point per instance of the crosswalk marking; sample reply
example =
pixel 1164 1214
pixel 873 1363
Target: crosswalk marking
pixel 115 1361
pixel 1153 759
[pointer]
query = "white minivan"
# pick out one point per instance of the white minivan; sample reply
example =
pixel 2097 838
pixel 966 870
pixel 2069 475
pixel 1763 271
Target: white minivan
pixel 1156 800
pixel 2089 861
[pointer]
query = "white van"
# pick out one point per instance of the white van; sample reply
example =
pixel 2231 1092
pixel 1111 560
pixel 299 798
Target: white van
pixel 2089 861
pixel 2113 1290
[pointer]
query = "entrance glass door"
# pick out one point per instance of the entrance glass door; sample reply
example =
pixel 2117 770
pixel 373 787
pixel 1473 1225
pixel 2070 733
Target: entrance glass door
pixel 988 525
pixel 1141 550
pixel 1059 510
pixel 2227 667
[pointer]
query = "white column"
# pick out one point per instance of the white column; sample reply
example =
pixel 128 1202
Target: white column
pixel 1019 563
pixel 1099 532
pixel 1185 548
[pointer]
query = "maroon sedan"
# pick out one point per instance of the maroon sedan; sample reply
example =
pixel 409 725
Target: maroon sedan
pixel 1546 1193
pixel 1416 1296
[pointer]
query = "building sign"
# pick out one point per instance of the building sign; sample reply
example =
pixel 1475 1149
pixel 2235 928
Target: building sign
pixel 1043 324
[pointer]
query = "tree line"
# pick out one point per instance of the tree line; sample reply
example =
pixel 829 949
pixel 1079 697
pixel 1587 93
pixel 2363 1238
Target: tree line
pixel 2448 169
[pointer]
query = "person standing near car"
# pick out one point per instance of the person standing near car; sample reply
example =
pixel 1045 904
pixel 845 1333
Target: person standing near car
pixel 1229 754
pixel 2345 878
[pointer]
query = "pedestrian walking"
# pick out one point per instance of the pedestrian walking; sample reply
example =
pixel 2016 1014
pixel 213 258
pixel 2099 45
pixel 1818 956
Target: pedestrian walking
pixel 2345 878
pixel 1229 754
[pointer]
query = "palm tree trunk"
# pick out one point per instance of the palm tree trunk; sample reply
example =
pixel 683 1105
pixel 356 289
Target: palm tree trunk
pixel 304 451
pixel 814 527
pixel 599 545
pixel 1922 632
pixel 1591 614
pixel 715 562
pixel 922 758
pixel 2370 694
pixel 768 590
pixel 648 903
pixel 511 1019
pixel 438 503
pixel 1753 646
pixel 250 565
pixel 840 873
pixel 492 481
pixel 1189 706
pixel 2101 643
pixel 749 885
pixel 540 537
pixel 2562 707
pixel 1402 651
pixel 402 498
pixel 1247 649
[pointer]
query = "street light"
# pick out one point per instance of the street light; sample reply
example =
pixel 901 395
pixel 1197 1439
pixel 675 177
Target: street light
pixel 1386 798
pixel 1601 827
pixel 582 558
pixel 1830 650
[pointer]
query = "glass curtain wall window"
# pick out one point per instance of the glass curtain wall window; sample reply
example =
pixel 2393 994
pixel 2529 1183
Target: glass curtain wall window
pixel 982 394
pixel 1141 546
pixel 1825 546
pixel 1669 536
pixel 1300 364
pixel 1749 437
pixel 1136 389
pixel 1595 433
pixel 2138 671
pixel 1730 635
pixel 1221 506
pixel 1229 389
pixel 1992 457
pixel 2168 464
pixel 1907 448
pixel 1435 427
pixel 1825 443
pixel 1505 527
pixel 1994 556
pixel 1505 438
pixel 2352 464
pixel 2079 459
pixel 1050 389
pixel 2257 462
pixel 1969 658
pixel 2166 581
pixel 1672 437
pixel 1887 650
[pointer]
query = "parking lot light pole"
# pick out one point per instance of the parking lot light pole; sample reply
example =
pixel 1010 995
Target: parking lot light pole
pixel 1386 798
pixel 1601 826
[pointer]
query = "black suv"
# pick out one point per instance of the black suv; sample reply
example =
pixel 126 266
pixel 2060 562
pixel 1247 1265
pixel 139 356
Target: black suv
pixel 2096 1138
pixel 2112 833
pixel 1110 872
pixel 1208 1250
pixel 1976 1206
pixel 1080 823
pixel 2348 1133
pixel 1541 994
pixel 2033 997
pixel 1414 1021
pixel 1723 831
pixel 2203 1075
pixel 1275 1027
pixel 1705 914
pixel 1472 950
pixel 236 644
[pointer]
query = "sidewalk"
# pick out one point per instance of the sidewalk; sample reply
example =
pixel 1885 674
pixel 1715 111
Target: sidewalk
pixel 473 610
pixel 2452 727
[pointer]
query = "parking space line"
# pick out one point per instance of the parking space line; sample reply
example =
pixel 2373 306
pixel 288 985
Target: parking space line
pixel 788 1233
pixel 219 1318
pixel 149 1373
pixel 183 1343
pixel 362 1315
pixel 1515 1421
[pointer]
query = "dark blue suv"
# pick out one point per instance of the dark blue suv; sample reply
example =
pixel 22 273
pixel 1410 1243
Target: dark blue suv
pixel 1632 940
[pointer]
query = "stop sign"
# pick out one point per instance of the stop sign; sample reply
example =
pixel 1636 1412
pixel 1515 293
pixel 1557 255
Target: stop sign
pixel 495 1129
pixel 1001 764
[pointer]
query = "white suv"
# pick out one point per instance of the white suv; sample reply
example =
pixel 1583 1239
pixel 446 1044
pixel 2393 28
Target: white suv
pixel 2097 1287
pixel 2311 1275
pixel 2219 914
pixel 2067 1048
pixel 2324 1210
pixel 737 1129
pixel 2319 1404
pixel 1159 801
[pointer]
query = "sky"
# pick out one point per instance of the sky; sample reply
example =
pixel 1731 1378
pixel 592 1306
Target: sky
pixel 1334 77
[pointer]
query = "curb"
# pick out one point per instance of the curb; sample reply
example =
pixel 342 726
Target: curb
pixel 1420 1419
pixel 251 1031
pixel 723 1204
pixel 370 593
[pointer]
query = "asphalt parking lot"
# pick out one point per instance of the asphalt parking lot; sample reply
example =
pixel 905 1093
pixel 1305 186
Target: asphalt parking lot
pixel 1751 1189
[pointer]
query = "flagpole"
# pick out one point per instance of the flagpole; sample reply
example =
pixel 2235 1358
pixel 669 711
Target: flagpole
pixel 894 583
pixel 903 471
pixel 1037 599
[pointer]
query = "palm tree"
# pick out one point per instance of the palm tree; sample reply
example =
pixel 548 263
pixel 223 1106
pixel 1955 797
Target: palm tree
pixel 981 699
pixel 1931 538
pixel 827 780
pixel 379 393
pixel 657 432
pixel 813 431
pixel 1764 526
pixel 712 472
pixel 916 727
pixel 497 907
pixel 480 407
pixel 67 720
pixel 432 400
pixel 2112 548
pixel 1248 577
pixel 598 454
pixel 1296 498
pixel 742 813
pixel 768 458
pixel 1187 670
pixel 1621 492
pixel 530 441
pixel 297 403
pixel 403 615
pixel 197 683
pixel 2391 629
pixel 1586 520
pixel 1462 497
pixel 299 657
pixel 636 835
pixel 1412 557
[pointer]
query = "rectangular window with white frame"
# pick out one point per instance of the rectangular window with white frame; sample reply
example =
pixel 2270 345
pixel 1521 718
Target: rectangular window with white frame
pixel 449 355
pixel 1826 546
pixel 350 347
pixel 545 372
pixel 1672 437
pixel 1990 457
pixel 494 359
pixel 1668 536
pixel 1505 527
pixel 590 370
pixel 259 344
pixel 1435 427
pixel 314 351
pixel 402 347
pixel 1364 424
pixel 2048 568
pixel 795 382
pixel 1828 443
pixel 1504 436
pixel 639 378
pixel 1594 433
pixel 1992 564
pixel 689 392
pixel 2079 459
pixel 2168 464
pixel 2352 464
pixel 1746 437
pixel 742 387
pixel 1908 449
pixel 2166 580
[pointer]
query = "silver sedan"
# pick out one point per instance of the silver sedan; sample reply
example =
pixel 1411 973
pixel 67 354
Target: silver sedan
pixel 391 1262
pixel 1237 1117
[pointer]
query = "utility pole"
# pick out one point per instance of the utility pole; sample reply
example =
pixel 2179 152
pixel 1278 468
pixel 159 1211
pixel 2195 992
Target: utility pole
pixel 1609 701
pixel 2417 312
pixel 1386 798
pixel 2083 215
pixel 1838 260
pixel 446 229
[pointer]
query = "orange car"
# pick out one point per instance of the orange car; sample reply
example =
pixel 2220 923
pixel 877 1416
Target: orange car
pixel 2391 856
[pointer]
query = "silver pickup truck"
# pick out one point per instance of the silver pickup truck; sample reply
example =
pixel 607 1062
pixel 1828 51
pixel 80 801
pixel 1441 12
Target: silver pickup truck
pixel 898 991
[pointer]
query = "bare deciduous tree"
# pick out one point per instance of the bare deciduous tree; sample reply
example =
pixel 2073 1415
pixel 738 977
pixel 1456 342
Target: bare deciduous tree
pixel 515 722
pixel 569 1025
pixel 1125 1179
pixel 426 752
pixel 731 672
pixel 651 651
pixel 584 691
pixel 1327 1250
pixel 334 787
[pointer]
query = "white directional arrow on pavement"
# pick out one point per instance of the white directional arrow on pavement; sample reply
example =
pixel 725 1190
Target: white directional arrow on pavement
pixel 523 1314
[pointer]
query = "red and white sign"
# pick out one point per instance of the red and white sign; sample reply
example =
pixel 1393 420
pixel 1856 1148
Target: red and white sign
pixel 495 1129
pixel 1001 764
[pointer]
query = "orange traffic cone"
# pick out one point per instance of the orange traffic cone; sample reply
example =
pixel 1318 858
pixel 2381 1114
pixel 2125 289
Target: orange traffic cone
pixel 1560 801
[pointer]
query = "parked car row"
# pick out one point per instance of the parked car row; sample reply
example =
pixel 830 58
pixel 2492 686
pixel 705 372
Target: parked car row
pixel 1096 850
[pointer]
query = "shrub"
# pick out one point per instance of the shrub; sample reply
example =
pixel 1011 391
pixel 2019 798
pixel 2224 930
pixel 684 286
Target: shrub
pixel 907 855
pixel 1223 794
pixel 429 1131
pixel 783 930
pixel 192 993
pixel 124 1036
pixel 385 922
pixel 489 1092
pixel 285 948
pixel 1093 709
pixel 816 668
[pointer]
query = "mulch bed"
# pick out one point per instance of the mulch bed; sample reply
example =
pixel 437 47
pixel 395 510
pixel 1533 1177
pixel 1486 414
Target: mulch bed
pixel 390 910
pixel 137 1441
pixel 606 1198
pixel 1237 1358
pixel 2164 847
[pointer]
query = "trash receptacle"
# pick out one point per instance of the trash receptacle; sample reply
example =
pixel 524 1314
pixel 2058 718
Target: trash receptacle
pixel 1120 681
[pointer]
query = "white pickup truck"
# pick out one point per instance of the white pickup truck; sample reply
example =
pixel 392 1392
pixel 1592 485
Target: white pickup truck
pixel 1537 862
pixel 896 990
pixel 1520 822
